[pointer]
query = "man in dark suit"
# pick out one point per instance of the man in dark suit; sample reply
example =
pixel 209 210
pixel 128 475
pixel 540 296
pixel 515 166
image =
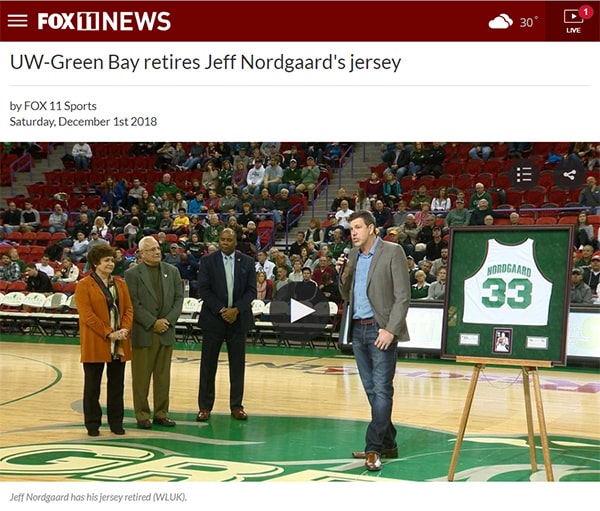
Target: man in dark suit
pixel 375 282
pixel 157 296
pixel 227 287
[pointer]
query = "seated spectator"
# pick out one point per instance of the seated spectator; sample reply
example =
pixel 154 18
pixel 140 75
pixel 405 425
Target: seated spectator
pixel 255 178
pixel 374 187
pixel 37 281
pixel 457 217
pixel 289 155
pixel 337 202
pixel 173 256
pixel 281 282
pixel 309 178
pixel 11 219
pixel 135 193
pixel 246 197
pixel 10 271
pixel 292 174
pixel 239 176
pixel 273 176
pixel 119 221
pixel 283 205
pixel 296 275
pixel 296 246
pixel 314 232
pixel 132 232
pixel 362 202
pixel 105 214
pixel 242 157
pixel 441 204
pixel 478 215
pixel 166 222
pixel 95 239
pixel 441 261
pixel 58 220
pixel 342 216
pixel 151 223
pixel 225 175
pixel 265 207
pixel 419 290
pixel 213 230
pixel 417 160
pixel 181 223
pixel 421 196
pixel 78 251
pixel 30 218
pixel 112 193
pixel 397 160
pixel 434 160
pixel 514 218
pixel 437 290
pixel 67 273
pixel 165 185
pixel 247 215
pixel 481 151
pixel 591 275
pixel 264 264
pixel 195 247
pixel 408 234
pixel 164 156
pixel 197 205
pixel 324 267
pixel 178 203
pixel 82 155
pixel 423 214
pixel 337 245
pixel 581 293
pixel 391 190
pixel 179 157
pixel 587 252
pixel 264 287
pixel 330 289
pixel 584 232
pixel 436 245
pixel 480 193
pixel 383 217
pixel 195 156
pixel 45 266
pixel 399 216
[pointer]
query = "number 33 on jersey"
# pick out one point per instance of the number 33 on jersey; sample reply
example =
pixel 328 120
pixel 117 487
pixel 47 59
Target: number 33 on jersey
pixel 508 288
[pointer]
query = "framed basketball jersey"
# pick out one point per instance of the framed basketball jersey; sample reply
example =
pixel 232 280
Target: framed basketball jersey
pixel 508 293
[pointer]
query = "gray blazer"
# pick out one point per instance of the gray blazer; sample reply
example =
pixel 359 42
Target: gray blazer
pixel 145 303
pixel 388 287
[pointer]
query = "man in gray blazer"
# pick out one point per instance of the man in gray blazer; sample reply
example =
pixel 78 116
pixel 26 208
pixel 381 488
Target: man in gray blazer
pixel 374 280
pixel 157 296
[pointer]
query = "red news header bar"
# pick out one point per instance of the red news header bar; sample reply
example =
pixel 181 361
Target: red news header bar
pixel 295 21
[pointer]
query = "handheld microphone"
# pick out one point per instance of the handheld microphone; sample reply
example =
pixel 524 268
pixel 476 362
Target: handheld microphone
pixel 345 254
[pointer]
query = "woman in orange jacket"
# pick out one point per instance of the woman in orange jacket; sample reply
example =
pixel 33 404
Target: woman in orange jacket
pixel 105 321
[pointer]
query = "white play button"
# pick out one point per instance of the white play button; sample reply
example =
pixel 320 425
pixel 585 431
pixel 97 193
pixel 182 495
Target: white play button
pixel 298 310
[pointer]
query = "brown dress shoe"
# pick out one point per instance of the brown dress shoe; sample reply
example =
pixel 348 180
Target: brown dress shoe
pixel 203 415
pixel 385 453
pixel 239 414
pixel 144 424
pixel 373 461
pixel 164 421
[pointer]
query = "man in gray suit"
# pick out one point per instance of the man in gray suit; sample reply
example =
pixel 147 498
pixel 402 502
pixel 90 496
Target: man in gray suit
pixel 157 297
pixel 374 280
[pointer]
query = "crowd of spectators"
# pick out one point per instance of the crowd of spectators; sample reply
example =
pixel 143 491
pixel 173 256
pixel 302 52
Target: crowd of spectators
pixel 243 184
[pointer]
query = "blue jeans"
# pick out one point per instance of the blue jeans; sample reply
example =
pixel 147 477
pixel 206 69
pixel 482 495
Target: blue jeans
pixel 376 369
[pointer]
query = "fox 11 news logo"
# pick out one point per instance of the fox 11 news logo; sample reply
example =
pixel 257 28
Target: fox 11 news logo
pixel 97 21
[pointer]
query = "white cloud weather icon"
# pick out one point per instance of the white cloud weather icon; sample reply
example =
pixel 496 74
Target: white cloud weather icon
pixel 502 21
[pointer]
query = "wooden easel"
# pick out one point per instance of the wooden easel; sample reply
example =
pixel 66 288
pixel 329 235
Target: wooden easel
pixel 528 367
